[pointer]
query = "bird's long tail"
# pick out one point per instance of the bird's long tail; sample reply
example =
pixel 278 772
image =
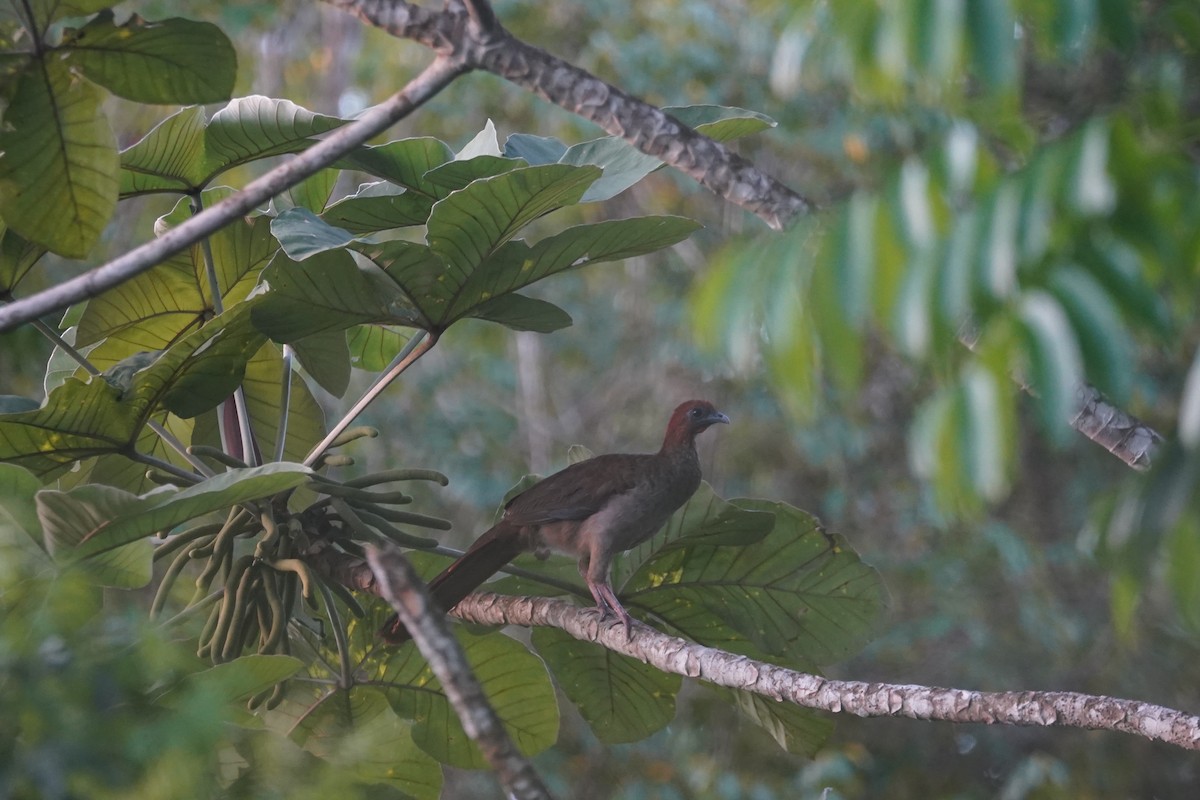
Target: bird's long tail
pixel 491 551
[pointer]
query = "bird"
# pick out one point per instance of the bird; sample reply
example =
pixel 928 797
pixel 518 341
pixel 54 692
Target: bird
pixel 592 509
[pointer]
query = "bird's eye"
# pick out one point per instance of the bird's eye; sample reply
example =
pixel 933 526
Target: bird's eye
pixel 697 412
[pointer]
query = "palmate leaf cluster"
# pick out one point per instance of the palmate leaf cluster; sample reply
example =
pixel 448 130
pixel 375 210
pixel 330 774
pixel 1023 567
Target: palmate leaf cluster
pixel 140 392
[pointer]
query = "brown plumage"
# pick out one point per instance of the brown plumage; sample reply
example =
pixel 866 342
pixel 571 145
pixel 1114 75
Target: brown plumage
pixel 593 510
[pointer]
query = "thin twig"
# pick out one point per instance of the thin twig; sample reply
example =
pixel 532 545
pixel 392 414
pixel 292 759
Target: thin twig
pixel 409 597
pixel 678 656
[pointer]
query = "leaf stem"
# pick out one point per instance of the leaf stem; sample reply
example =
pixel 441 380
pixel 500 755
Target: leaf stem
pixel 285 399
pixel 420 344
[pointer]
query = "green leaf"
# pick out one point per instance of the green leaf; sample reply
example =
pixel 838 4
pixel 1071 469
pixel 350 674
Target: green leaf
pixel 236 680
pixel 721 123
pixel 68 518
pixel 981 433
pixel 622 699
pixel 471 224
pixel 1103 340
pixel 302 234
pixel 514 680
pixel 992 31
pixel 356 729
pixel 534 150
pixel 1189 406
pixel 255 127
pixel 162 305
pixel 799 594
pixel 797 730
pixel 521 313
pixel 163 510
pixel 46 11
pixel 329 292
pixel 58 161
pixel 21 536
pixel 17 257
pixel 516 264
pixel 405 162
pixel 170 158
pixel 1056 365
pixel 371 209
pixel 311 193
pixel 854 257
pixel 623 165
pixel 175 61
pixel 326 358
pixel 372 347
pixel 705 519
pixel 998 242
pixel 1090 190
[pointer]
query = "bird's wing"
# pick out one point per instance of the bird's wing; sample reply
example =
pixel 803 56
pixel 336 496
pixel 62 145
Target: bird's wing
pixel 577 492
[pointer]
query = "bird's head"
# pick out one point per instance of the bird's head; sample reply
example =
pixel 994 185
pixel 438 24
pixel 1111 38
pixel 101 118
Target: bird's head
pixel 690 419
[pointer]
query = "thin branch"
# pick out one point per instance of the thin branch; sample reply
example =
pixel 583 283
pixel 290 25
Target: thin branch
pixel 675 655
pixel 490 47
pixel 1122 434
pixel 408 596
pixel 417 346
pixel 375 120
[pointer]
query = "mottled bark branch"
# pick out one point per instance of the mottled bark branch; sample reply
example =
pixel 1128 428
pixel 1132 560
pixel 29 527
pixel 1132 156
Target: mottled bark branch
pixel 337 144
pixel 1122 434
pixel 675 655
pixel 484 44
pixel 399 585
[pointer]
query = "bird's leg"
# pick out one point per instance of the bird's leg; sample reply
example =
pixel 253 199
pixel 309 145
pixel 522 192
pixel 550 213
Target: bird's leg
pixel 603 590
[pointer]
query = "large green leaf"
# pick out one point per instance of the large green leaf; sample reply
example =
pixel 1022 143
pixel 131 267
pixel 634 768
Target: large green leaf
pixel 514 680
pixel 622 699
pixel 523 313
pixel 799 594
pixel 46 11
pixel 69 518
pixel 378 207
pixel 17 257
pixel 170 158
pixel 328 292
pixel 404 162
pixel 469 225
pixel 163 510
pixel 797 730
pixel 163 305
pixel 21 536
pixel 356 729
pixel 58 160
pixel 174 61
pixel 302 234
pixel 254 127
pixel 705 519
pixel 101 416
pixel 236 680
pixel 326 357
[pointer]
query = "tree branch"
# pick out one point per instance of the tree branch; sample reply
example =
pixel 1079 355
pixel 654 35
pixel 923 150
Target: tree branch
pixel 675 655
pixel 375 120
pixel 399 585
pixel 483 43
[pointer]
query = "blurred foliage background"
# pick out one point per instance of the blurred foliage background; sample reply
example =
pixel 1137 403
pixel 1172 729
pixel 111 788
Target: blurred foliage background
pixel 1018 581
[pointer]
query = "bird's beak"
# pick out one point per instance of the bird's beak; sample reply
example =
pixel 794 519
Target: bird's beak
pixel 716 417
